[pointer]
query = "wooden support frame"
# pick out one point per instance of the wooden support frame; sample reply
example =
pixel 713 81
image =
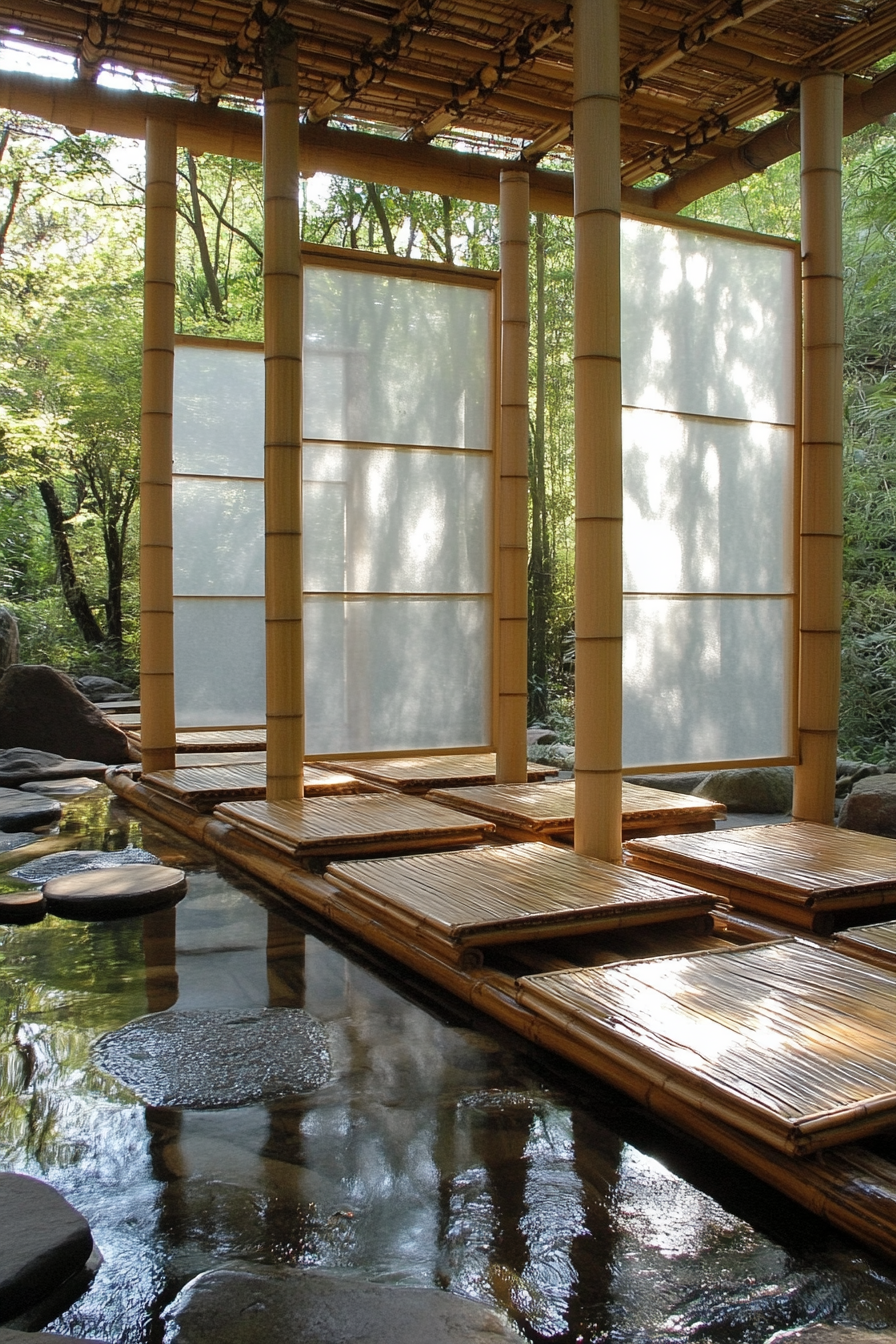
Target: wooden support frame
pixel 821 521
pixel 511 580
pixel 157 399
pixel 598 432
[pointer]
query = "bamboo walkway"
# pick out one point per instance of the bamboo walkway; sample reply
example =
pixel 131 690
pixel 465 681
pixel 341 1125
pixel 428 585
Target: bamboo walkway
pixel 875 943
pixel 787 1041
pixel 420 774
pixel 215 740
pixel 204 788
pixel 524 811
pixel 377 823
pixel 808 875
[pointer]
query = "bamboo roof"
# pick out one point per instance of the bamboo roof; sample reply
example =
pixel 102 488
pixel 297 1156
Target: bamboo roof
pixel 489 74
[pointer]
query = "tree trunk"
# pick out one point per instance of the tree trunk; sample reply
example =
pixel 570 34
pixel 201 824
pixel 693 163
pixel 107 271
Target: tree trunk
pixel 540 576
pixel 75 597
pixel 208 270
pixel 113 545
pixel 446 224
pixel 376 200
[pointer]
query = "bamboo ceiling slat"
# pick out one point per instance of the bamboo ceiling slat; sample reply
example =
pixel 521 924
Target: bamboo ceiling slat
pixel 420 774
pixel 203 788
pixel 787 1041
pixel 549 809
pixel 509 893
pixel 374 823
pixel 875 943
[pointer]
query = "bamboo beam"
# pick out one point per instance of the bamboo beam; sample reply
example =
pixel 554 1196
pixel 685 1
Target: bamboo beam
pixel 240 51
pixel 512 594
pixel 283 420
pixel 710 22
pixel 598 432
pixel 157 727
pixel 98 38
pixel 821 517
pixel 377 58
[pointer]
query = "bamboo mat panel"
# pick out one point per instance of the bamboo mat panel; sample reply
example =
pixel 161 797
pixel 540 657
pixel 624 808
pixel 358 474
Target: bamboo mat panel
pixel 196 760
pixel 800 863
pixel 873 942
pixel 549 809
pixel 130 720
pixel 373 822
pixel 420 774
pixel 231 739
pixel 203 788
pixel 505 893
pixel 788 1041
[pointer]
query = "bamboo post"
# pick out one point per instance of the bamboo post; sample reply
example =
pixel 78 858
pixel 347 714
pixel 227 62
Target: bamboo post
pixel 513 552
pixel 283 420
pixel 821 512
pixel 157 725
pixel 598 431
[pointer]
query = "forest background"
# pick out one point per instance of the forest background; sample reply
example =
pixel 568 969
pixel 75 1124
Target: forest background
pixel 71 222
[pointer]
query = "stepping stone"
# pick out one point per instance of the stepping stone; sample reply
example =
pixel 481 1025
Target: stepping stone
pixel 22 907
pixel 201 1059
pixel 290 1306
pixel 43 1242
pixel 17 840
pixel 20 764
pixel 114 893
pixel 20 811
pixel 23 1337
pixel 61 788
pixel 76 860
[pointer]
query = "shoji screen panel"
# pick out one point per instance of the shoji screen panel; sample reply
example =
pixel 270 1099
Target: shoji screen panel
pixel 709 374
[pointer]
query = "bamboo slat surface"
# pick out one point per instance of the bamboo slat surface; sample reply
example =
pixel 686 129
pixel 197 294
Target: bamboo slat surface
pixel 549 809
pixel 229 739
pixel 198 760
pixel 504 893
pixel 374 823
pixel 203 788
pixel 788 1041
pixel 420 774
pixel 874 942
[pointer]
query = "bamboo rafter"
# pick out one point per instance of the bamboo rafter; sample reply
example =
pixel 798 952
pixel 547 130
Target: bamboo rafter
pixel 98 37
pixel 376 59
pixel 715 19
pixel 241 51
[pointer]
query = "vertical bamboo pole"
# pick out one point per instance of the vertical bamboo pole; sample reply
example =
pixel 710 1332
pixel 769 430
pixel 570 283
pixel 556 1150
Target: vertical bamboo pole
pixel 283 421
pixel 598 430
pixel 157 730
pixel 821 526
pixel 513 552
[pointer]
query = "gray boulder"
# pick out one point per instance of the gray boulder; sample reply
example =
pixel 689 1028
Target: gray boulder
pixel 100 689
pixel 683 781
pixel 871 806
pixel 18 765
pixel 766 789
pixel 9 639
pixel 43 708
pixel 824 1333
pixel 43 1242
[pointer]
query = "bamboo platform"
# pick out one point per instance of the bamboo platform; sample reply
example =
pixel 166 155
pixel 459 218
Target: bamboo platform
pixel 378 823
pixel 421 774
pixel 205 788
pixel 811 876
pixel 874 942
pixel 788 1041
pixel 217 740
pixel 199 760
pixel 524 811
pixel 510 894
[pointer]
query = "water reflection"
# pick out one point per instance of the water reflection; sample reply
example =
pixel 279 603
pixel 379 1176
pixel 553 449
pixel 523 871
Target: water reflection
pixel 442 1152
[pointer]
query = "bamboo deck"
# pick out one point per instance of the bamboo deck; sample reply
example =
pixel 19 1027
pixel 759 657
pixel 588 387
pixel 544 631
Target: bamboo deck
pixel 199 760
pixel 204 788
pixel 218 740
pixel 787 1041
pixel 509 894
pixel 527 810
pixel 421 774
pixel 808 875
pixel 875 943
pixel 378 823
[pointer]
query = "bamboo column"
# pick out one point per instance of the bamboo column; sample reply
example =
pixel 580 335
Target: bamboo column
pixel 283 420
pixel 598 415
pixel 821 525
pixel 157 730
pixel 513 552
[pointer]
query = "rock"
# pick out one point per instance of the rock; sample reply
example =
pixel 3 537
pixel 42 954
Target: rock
pixel 20 811
pixel 68 861
pixel 205 1058
pixel 539 736
pixel 683 781
pixel 23 1337
pixel 9 639
pixel 101 689
pixel 832 1334
pixel 17 840
pixel 43 1242
pixel 553 753
pixel 847 779
pixel 42 708
pixel 292 1306
pixel 871 806
pixel 22 907
pixel 114 893
pixel 18 765
pixel 60 788
pixel 767 789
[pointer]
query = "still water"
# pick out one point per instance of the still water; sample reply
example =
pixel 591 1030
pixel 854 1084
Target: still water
pixel 444 1151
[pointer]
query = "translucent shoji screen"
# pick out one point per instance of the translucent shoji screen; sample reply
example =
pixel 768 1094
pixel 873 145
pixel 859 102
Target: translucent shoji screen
pixel 398 501
pixel 708 378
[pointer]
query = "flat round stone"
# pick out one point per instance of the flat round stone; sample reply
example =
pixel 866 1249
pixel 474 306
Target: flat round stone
pixel 22 907
pixel 16 840
pixel 22 811
pixel 113 893
pixel 61 788
pixel 43 1242
pixel 201 1059
pixel 68 861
